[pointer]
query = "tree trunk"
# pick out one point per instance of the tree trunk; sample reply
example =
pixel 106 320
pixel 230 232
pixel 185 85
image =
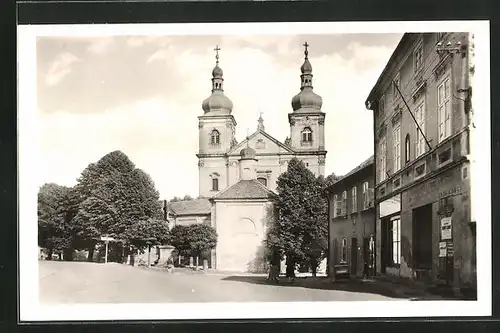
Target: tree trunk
pixel 68 254
pixel 90 256
pixel 50 253
pixel 290 268
pixel 314 267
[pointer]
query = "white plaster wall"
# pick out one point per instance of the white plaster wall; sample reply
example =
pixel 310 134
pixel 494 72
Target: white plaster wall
pixel 226 130
pixel 210 166
pixel 313 123
pixel 235 252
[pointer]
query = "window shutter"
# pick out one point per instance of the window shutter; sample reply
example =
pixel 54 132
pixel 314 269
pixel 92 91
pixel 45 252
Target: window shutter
pixel 371 198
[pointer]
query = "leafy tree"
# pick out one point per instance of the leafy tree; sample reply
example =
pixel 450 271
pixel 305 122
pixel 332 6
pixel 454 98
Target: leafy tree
pixel 187 197
pixel 116 200
pixel 146 233
pixel 54 233
pixel 300 232
pixel 194 239
pixel 331 179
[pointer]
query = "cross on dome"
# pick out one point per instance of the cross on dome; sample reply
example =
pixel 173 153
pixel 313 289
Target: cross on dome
pixel 217 49
pixel 306 52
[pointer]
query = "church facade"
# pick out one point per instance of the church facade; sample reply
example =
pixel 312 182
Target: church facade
pixel 219 151
pixel 238 179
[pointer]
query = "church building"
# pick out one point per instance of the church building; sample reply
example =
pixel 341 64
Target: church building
pixel 238 179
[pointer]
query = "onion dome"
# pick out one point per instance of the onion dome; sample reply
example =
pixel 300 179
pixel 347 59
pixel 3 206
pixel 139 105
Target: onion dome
pixel 247 153
pixel 306 100
pixel 217 102
pixel 217 72
pixel 306 67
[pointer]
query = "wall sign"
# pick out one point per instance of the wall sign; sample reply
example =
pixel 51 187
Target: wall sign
pixel 446 228
pixel 442 249
pixel 452 191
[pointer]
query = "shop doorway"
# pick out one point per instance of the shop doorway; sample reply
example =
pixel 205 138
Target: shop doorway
pixel 368 257
pixel 354 256
pixel 422 238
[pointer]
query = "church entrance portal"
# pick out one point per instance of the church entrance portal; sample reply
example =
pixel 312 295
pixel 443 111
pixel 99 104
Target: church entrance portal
pixel 246 244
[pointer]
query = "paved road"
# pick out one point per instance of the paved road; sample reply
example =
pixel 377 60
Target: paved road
pixel 81 282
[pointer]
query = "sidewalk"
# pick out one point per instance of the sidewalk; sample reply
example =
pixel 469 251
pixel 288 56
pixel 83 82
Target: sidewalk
pixel 375 286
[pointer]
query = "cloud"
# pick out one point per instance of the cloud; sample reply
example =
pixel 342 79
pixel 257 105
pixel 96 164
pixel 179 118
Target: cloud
pixel 154 86
pixel 100 45
pixel 60 67
pixel 146 131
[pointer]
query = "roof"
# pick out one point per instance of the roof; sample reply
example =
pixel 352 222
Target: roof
pixel 191 207
pixel 403 41
pixel 246 189
pixel 237 148
pixel 367 163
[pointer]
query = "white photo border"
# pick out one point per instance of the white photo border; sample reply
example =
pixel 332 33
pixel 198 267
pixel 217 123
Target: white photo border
pixel 32 310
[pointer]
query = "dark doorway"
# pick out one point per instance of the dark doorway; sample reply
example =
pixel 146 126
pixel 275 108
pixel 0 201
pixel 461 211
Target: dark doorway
pixel 422 237
pixel 368 257
pixel 354 256
pixel 386 245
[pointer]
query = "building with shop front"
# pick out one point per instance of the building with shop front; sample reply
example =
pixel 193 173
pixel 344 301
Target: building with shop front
pixel 351 226
pixel 424 143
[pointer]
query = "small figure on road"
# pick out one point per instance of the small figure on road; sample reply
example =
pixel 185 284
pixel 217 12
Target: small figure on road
pixel 170 264
pixel 274 270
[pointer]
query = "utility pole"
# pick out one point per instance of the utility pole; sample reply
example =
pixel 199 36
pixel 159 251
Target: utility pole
pixel 106 253
pixel 106 241
pixel 411 113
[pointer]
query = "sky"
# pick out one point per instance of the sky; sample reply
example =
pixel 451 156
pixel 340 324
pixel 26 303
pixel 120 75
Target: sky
pixel 142 95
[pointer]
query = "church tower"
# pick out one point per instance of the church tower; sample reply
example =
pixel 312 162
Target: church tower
pixel 307 121
pixel 216 136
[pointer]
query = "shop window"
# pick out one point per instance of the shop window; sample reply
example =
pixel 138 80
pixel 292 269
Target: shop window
pixel 343 252
pixel 396 240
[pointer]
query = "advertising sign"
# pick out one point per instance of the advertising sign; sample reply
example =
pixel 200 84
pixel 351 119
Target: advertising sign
pixel 446 228
pixel 442 249
pixel 390 206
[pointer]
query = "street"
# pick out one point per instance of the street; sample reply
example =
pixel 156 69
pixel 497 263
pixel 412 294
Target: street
pixel 82 282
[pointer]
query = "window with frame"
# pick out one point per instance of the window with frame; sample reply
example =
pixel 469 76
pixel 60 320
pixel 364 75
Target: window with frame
pixel 343 251
pixel 306 135
pixel 215 184
pixel 335 206
pixel 407 148
pixel 396 240
pixel 420 118
pixel 214 137
pixel 396 82
pixel 418 56
pixel 383 159
pixel 344 203
pixel 365 195
pixel 354 200
pixel 396 148
pixel 381 105
pixel 444 109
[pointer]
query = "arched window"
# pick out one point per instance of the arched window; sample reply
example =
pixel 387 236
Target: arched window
pixel 215 181
pixel 307 135
pixel 407 148
pixel 262 180
pixel 215 184
pixel 215 137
